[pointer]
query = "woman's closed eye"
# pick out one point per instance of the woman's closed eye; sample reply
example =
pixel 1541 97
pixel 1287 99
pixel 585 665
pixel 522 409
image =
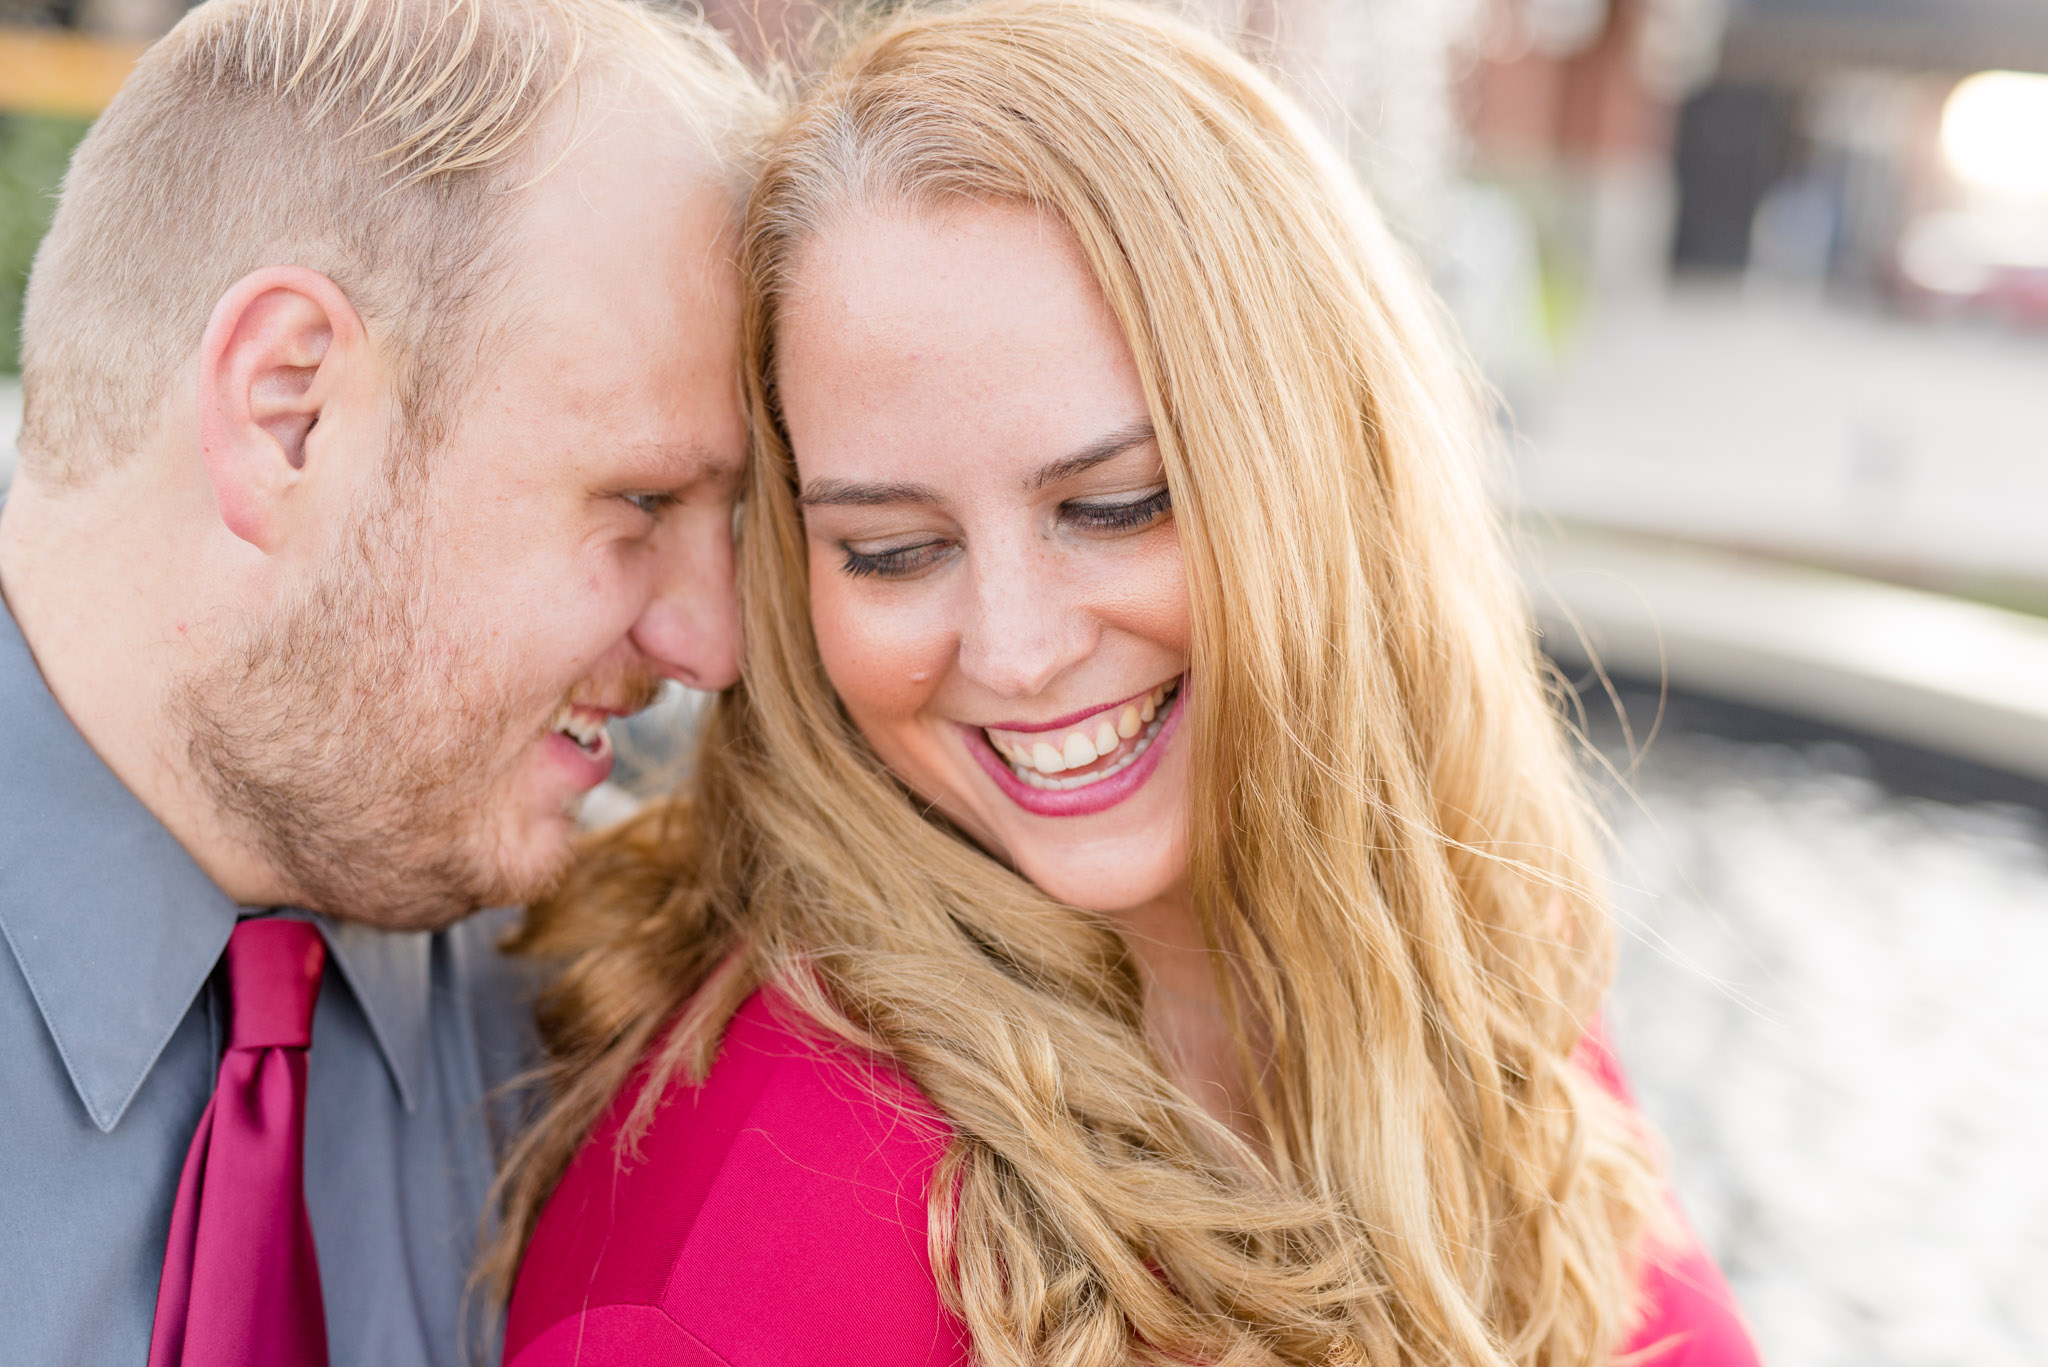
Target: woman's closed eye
pixel 902 561
pixel 893 562
pixel 1127 516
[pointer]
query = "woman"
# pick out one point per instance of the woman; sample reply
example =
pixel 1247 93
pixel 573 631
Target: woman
pixel 1136 906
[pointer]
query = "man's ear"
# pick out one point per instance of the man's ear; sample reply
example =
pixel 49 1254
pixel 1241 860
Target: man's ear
pixel 276 351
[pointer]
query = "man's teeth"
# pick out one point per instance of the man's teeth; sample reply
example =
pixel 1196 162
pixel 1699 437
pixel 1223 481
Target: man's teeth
pixel 588 732
pixel 1036 761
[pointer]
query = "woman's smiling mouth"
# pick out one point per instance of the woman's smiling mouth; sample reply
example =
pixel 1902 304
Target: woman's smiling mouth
pixel 1083 764
pixel 1090 749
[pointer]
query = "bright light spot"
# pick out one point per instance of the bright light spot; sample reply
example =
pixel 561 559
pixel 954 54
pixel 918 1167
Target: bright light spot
pixel 1945 253
pixel 1994 131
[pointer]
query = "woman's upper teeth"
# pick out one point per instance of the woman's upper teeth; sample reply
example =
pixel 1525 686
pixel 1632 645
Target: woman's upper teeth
pixel 1083 743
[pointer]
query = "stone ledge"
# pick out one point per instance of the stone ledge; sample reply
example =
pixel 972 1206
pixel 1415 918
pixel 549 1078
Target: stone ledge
pixel 1916 667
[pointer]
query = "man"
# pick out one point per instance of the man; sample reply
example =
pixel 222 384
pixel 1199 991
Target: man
pixel 380 441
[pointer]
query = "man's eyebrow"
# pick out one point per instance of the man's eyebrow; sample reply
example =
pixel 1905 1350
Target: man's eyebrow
pixel 1095 453
pixel 679 462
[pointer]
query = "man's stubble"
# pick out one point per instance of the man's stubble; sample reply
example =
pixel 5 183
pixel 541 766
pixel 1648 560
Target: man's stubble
pixel 360 742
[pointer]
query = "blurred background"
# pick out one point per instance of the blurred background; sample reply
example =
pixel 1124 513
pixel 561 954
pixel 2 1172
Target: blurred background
pixel 1763 288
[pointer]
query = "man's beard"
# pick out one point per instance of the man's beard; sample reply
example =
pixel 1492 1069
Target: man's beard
pixel 360 747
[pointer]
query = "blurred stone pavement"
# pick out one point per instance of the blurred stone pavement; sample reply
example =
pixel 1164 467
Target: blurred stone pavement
pixel 1831 1002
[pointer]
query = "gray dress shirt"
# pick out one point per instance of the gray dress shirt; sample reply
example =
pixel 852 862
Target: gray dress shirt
pixel 111 1025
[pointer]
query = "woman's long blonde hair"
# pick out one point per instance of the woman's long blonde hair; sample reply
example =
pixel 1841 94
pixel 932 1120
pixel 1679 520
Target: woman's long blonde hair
pixel 1389 846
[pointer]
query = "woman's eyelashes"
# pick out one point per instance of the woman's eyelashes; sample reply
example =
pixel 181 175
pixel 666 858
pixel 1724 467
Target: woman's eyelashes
pixel 899 562
pixel 1127 516
pixel 894 563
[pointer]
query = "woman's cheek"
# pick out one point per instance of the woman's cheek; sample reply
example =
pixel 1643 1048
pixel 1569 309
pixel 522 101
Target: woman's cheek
pixel 881 654
pixel 1144 592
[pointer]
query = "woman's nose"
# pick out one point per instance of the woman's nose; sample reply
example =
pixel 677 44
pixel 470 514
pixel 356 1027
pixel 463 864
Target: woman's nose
pixel 1026 625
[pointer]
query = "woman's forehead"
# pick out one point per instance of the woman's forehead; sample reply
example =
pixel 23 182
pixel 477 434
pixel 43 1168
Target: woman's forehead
pixel 914 338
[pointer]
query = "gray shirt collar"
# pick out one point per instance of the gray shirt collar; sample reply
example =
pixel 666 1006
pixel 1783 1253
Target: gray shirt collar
pixel 116 928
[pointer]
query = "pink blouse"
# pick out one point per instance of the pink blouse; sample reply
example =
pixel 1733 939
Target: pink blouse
pixel 775 1217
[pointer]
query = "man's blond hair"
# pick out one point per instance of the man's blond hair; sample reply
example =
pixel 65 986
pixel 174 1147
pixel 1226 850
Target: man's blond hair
pixel 381 142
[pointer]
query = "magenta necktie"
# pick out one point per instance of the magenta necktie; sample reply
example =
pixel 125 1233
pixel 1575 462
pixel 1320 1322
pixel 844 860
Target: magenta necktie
pixel 241 1283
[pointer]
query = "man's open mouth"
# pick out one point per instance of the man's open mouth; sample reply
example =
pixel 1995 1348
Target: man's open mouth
pixel 1089 750
pixel 586 727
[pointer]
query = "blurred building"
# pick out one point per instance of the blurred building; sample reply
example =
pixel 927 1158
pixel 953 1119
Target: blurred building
pixel 1833 151
pixel 1572 105
pixel 1810 143
pixel 1739 216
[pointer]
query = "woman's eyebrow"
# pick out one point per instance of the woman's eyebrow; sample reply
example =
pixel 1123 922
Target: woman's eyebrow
pixel 1095 452
pixel 851 493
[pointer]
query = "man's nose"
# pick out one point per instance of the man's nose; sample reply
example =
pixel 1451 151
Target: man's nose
pixel 1026 625
pixel 690 628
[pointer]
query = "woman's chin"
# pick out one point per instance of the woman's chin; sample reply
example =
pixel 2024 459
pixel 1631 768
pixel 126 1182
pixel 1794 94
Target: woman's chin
pixel 1106 880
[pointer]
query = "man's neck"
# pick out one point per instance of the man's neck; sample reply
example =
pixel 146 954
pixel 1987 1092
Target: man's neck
pixel 85 582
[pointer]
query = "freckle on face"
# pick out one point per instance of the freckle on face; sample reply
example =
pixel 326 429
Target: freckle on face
pixel 965 352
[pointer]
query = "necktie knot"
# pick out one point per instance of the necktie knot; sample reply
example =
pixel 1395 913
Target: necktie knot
pixel 273 981
pixel 241 1279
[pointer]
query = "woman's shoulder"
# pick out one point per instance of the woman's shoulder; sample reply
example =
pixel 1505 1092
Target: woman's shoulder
pixel 775 1214
pixel 1688 1314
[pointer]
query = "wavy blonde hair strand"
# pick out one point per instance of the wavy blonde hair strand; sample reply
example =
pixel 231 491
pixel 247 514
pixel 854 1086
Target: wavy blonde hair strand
pixel 1390 848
